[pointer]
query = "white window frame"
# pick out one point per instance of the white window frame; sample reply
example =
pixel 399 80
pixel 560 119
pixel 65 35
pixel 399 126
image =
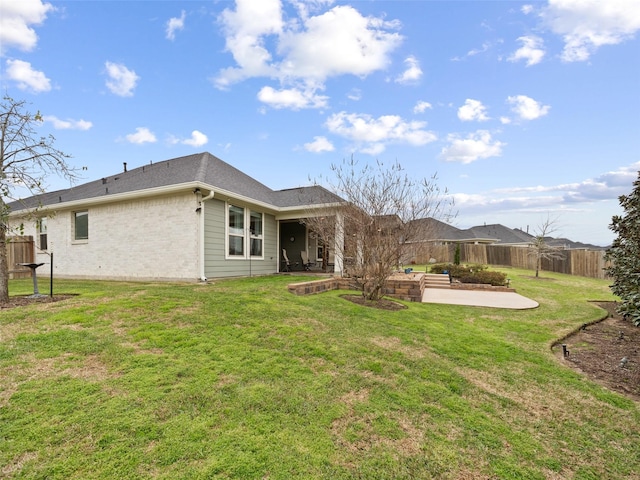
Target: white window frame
pixel 247 235
pixel 256 236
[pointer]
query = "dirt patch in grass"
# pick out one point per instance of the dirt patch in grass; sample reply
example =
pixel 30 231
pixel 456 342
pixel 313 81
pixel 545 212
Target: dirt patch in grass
pixel 608 352
pixel 383 304
pixel 26 300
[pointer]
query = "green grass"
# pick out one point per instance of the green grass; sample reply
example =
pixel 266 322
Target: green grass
pixel 240 379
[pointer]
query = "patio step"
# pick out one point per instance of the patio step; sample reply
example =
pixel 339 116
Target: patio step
pixel 437 280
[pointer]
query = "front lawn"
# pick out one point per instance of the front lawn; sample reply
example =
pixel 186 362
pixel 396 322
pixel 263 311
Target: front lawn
pixel 241 379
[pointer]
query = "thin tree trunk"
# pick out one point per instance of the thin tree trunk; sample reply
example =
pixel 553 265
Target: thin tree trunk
pixel 4 267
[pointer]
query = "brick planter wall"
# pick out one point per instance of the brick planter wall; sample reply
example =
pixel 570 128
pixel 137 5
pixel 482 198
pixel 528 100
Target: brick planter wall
pixel 481 286
pixel 409 287
pixel 405 287
pixel 318 286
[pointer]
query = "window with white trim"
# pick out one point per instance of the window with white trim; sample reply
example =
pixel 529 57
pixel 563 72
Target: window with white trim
pixel 245 232
pixel 236 231
pixel 255 228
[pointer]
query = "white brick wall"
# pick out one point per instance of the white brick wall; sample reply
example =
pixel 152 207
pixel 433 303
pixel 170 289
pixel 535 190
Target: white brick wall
pixel 154 238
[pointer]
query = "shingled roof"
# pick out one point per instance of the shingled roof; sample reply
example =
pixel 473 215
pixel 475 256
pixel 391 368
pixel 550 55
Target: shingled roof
pixel 502 234
pixel 201 168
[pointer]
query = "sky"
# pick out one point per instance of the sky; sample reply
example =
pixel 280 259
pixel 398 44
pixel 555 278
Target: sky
pixel 525 111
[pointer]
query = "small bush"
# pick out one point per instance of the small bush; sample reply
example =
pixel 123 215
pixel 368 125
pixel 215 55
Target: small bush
pixel 497 279
pixel 456 271
pixel 438 267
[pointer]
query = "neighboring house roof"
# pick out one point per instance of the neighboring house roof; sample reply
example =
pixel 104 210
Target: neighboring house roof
pixel 503 235
pixel 202 169
pixel 495 234
pixel 441 231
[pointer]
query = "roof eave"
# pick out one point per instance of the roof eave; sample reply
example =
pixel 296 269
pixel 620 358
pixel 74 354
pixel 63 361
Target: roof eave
pixel 115 197
pixel 219 193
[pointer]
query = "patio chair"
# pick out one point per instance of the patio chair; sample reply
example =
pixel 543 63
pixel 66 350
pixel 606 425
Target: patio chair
pixel 305 260
pixel 287 263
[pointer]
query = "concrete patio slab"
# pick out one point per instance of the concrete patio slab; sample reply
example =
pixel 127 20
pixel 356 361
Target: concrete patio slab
pixel 478 298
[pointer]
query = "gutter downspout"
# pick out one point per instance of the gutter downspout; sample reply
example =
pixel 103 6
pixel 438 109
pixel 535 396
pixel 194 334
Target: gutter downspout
pixel 201 242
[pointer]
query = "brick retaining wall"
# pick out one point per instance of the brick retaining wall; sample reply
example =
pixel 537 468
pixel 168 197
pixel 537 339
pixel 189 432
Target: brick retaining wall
pixel 409 287
pixel 481 286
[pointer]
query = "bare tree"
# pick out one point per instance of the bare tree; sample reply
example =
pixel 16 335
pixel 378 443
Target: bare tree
pixel 540 249
pixel 378 220
pixel 26 159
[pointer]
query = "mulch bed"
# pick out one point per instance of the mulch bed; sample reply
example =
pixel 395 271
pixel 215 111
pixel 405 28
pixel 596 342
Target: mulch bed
pixel 383 304
pixel 23 301
pixel 608 352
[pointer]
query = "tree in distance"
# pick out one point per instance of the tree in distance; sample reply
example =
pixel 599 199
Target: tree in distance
pixel 540 249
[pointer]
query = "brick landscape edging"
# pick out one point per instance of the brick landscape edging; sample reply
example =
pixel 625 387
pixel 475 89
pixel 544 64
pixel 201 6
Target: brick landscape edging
pixel 410 288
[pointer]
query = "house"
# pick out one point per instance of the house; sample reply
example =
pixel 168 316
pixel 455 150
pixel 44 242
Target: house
pixel 501 235
pixel 187 218
pixel 441 233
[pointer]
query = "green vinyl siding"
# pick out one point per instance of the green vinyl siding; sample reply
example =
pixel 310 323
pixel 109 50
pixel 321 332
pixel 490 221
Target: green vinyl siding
pixel 215 263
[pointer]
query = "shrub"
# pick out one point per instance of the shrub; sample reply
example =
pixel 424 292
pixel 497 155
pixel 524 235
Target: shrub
pixel 456 271
pixel 497 279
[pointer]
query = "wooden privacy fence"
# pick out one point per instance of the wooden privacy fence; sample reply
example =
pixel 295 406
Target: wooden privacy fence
pixel 20 249
pixel 585 263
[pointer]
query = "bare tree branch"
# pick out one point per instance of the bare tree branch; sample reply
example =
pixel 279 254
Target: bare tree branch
pixel 26 160
pixel 379 216
pixel 539 246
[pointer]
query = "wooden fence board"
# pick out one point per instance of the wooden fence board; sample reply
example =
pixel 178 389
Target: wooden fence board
pixel 20 249
pixel 585 263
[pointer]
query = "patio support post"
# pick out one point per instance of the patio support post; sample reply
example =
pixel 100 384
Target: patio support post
pixel 339 245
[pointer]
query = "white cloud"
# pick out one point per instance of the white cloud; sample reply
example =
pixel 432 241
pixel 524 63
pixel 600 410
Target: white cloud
pixel 527 108
pixel 121 81
pixel 527 9
pixel 68 124
pixel 246 29
pixel 607 186
pixel 421 106
pixel 474 147
pixel 338 42
pixel 355 94
pixel 174 24
pixel 532 50
pixel 291 98
pixel 586 25
pixel 413 73
pixel 561 197
pixel 476 51
pixel 142 135
pixel 16 19
pixel 303 52
pixel 472 110
pixel 197 139
pixel 373 134
pixel 26 77
pixel 319 145
pixel 304 7
pixel 486 46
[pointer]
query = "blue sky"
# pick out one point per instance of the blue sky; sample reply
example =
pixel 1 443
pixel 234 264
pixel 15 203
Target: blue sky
pixel 525 110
